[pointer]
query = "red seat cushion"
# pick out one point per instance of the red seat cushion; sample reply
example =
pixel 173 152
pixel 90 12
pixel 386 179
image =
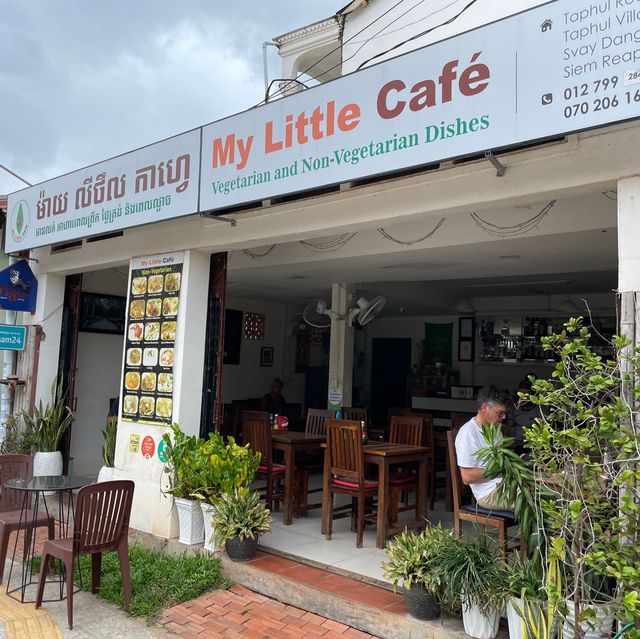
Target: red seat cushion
pixel 347 483
pixel 276 468
pixel 401 479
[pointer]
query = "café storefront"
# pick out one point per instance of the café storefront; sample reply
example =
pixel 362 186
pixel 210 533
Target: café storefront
pixel 296 200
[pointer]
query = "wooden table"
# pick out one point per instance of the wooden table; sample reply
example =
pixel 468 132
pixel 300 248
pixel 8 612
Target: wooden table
pixel 384 455
pixel 291 442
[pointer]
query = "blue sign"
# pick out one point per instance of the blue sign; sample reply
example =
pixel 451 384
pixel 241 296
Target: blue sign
pixel 18 288
pixel 12 338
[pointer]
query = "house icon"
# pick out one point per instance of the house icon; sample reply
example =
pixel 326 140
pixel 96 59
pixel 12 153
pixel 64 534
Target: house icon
pixel 547 25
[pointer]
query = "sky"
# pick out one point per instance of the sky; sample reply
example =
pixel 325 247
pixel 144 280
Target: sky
pixel 82 80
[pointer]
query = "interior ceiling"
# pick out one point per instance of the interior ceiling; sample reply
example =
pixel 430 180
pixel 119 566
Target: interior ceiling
pixel 448 279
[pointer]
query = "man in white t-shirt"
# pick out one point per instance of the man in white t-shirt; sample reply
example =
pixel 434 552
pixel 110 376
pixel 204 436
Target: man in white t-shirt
pixel 493 406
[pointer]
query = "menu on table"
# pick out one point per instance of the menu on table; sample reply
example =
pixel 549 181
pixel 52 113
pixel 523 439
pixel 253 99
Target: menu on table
pixel 152 313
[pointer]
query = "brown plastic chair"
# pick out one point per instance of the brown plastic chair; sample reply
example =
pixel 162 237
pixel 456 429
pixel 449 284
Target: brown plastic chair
pixel 346 470
pixel 500 520
pixel 256 429
pixel 11 516
pixel 101 523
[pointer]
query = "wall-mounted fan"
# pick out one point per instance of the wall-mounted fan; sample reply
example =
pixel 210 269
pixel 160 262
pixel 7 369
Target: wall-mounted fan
pixel 316 314
pixel 368 310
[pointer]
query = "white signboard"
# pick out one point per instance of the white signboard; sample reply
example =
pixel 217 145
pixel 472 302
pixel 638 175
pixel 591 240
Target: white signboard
pixel 565 66
pixel 154 183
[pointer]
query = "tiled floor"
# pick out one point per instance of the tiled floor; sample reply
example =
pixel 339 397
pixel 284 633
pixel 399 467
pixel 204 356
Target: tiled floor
pixel 303 539
pixel 242 614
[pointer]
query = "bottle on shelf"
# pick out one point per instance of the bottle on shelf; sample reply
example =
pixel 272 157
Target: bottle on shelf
pixel 506 329
pixel 363 432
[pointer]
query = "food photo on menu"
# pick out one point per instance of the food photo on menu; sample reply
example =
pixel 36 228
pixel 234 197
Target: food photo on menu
pixel 166 357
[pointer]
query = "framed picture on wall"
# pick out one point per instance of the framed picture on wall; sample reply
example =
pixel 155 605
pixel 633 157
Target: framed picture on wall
pixel 466 339
pixel 266 356
pixel 102 313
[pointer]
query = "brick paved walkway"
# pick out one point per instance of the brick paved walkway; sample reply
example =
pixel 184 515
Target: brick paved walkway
pixel 239 613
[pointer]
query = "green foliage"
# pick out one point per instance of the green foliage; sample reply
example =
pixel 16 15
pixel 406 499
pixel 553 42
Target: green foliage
pixel 203 469
pixel 16 440
pixel 158 580
pixel 240 514
pixel 523 576
pixel 109 435
pixel 415 558
pixel 471 572
pixel 49 422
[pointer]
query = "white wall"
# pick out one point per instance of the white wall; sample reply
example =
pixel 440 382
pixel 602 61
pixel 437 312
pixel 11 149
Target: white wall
pixel 98 379
pixel 249 379
pixel 404 22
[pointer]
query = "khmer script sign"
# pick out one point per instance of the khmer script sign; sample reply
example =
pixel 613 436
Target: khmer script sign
pixel 150 184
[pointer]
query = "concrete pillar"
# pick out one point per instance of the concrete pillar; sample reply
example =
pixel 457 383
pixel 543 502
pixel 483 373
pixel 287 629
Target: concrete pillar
pixel 48 315
pixel 341 348
pixel 153 511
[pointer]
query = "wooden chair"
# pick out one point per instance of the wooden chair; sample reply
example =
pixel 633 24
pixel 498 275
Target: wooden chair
pixel 346 475
pixel 408 430
pixel 256 428
pixel 317 421
pixel 500 520
pixel 356 414
pixel 12 518
pixel 294 415
pixel 101 523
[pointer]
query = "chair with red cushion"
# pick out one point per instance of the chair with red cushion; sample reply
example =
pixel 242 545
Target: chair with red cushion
pixel 11 516
pixel 256 430
pixel 101 523
pixel 346 476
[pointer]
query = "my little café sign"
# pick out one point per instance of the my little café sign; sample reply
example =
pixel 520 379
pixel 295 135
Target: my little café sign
pixel 564 66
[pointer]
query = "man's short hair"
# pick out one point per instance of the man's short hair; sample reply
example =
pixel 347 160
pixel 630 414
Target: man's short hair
pixel 492 395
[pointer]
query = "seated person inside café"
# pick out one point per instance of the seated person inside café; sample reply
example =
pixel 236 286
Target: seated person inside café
pixel 273 402
pixel 493 407
pixel 524 414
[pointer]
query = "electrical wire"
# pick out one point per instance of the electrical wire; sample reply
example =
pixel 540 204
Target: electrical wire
pixel 324 57
pixel 259 256
pixel 389 237
pixel 515 229
pixel 418 35
pixel 328 245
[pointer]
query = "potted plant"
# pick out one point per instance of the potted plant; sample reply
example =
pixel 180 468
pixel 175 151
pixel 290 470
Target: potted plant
pixel 414 563
pixel 522 579
pixel 220 468
pixel 182 461
pixel 473 577
pixel 109 435
pixel 238 519
pixel 47 425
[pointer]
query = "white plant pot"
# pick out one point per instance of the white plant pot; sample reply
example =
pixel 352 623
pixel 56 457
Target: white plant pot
pixel 479 625
pixel 190 521
pixel 47 465
pixel 105 474
pixel 516 623
pixel 603 625
pixel 207 514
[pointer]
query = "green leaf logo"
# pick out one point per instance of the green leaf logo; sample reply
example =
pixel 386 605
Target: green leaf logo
pixel 20 220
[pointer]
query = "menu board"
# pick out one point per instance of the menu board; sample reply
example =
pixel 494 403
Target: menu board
pixel 152 313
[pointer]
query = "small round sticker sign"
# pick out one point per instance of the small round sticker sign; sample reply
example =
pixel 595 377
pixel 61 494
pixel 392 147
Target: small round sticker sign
pixel 148 447
pixel 162 451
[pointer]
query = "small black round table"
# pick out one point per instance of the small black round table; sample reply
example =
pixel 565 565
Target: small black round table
pixel 34 488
